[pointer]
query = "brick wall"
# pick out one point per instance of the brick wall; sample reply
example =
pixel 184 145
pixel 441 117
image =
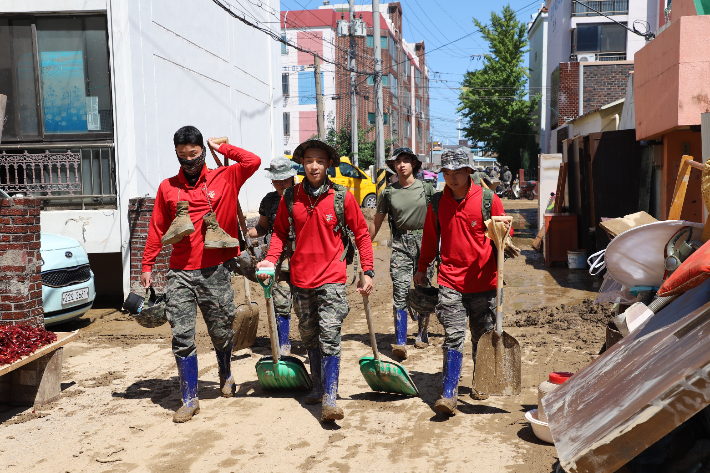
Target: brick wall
pixel 568 92
pixel 139 211
pixel 603 84
pixel 20 264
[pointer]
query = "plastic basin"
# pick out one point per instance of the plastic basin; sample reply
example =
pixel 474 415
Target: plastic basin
pixel 541 429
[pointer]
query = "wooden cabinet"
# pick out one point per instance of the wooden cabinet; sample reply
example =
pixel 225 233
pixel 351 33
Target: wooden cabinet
pixel 560 236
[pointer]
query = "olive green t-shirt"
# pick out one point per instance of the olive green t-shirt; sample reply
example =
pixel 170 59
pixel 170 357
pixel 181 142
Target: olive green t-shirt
pixel 408 205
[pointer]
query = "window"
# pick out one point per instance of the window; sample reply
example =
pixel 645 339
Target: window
pixel 419 134
pixel 287 124
pixel 331 172
pixel 348 170
pixel 419 105
pixel 284 85
pixel 597 38
pixel 63 92
pixel 307 88
pixel 371 41
pixel 417 77
pixel 371 119
pixel 393 85
pixel 385 80
pixel 284 47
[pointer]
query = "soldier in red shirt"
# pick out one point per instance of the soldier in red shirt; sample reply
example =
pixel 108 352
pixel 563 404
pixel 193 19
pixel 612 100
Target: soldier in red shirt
pixel 467 272
pixel 318 268
pixel 196 212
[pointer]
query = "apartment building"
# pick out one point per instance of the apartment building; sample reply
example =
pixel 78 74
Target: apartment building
pixel 405 76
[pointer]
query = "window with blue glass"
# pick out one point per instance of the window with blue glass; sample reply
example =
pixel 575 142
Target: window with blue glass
pixel 307 87
pixel 371 119
pixel 371 80
pixel 371 41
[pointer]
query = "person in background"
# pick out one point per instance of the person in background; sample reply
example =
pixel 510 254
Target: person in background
pixel 405 202
pixel 282 175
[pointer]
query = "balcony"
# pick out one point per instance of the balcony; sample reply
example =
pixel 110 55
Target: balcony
pixel 62 176
pixel 608 7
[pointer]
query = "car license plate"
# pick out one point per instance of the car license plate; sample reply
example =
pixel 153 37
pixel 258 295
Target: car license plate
pixel 76 295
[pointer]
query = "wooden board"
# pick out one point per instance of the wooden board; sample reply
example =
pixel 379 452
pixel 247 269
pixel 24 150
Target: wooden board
pixel 560 194
pixel 62 339
pixel 681 186
pixel 616 226
pixel 637 391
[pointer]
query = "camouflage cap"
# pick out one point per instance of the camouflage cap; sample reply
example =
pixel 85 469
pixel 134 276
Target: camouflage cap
pixel 280 168
pixel 454 159
pixel 401 152
pixel 315 143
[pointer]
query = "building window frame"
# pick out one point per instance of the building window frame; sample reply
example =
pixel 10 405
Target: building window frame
pixel 287 123
pixel 285 84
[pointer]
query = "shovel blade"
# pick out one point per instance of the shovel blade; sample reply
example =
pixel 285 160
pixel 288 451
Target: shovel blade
pixel 388 377
pixel 288 374
pixel 497 365
pixel 245 325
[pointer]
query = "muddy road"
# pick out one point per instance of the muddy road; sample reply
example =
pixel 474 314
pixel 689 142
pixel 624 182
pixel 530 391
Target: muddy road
pixel 120 389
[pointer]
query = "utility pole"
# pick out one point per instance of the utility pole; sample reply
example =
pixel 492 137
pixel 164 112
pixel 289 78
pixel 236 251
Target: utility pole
pixel 379 126
pixel 319 99
pixel 353 85
pixel 459 119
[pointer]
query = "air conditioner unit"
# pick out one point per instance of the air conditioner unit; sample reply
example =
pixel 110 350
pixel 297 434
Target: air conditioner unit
pixel 343 28
pixel 420 115
pixel 586 57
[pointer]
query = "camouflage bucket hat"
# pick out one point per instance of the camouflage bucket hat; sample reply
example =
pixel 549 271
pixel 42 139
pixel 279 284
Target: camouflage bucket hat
pixel 315 143
pixel 280 169
pixel 401 152
pixel 455 159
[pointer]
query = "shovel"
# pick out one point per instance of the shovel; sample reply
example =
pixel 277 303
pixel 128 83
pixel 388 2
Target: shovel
pixel 384 376
pixel 497 370
pixel 246 321
pixel 278 372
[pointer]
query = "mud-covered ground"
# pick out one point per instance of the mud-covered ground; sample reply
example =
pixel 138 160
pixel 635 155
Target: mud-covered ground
pixel 120 390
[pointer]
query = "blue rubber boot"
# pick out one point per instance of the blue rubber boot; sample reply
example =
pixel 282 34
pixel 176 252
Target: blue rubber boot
pixel 227 386
pixel 400 331
pixel 316 394
pixel 331 371
pixel 422 340
pixel 453 360
pixel 283 326
pixel 187 370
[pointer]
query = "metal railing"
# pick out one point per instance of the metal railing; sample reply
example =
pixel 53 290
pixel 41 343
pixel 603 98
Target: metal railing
pixel 61 175
pixel 608 7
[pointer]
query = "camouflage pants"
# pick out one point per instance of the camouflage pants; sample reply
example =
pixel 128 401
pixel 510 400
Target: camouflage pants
pixel 211 289
pixel 281 294
pixel 403 266
pixel 455 307
pixel 321 312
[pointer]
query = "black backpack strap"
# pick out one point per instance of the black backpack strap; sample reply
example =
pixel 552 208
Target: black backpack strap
pixel 435 208
pixel 289 198
pixel 339 206
pixel 487 204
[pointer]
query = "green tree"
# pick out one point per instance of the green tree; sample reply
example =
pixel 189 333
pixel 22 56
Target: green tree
pixel 340 139
pixel 492 100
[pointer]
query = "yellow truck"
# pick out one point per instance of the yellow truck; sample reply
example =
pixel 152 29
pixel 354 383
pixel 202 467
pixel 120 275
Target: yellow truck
pixel 355 179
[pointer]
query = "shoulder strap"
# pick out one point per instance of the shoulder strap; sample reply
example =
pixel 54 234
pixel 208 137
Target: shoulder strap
pixel 435 208
pixel 288 198
pixel 429 191
pixel 339 206
pixel 486 204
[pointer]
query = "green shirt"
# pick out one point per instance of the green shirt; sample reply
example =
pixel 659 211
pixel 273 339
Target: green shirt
pixel 407 205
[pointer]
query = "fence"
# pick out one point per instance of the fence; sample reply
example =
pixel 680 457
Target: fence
pixel 61 175
pixel 608 7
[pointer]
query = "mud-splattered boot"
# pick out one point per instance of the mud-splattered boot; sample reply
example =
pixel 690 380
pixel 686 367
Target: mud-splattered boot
pixel 187 370
pixel 422 340
pixel 400 330
pixel 283 326
pixel 181 226
pixel 215 237
pixel 331 371
pixel 227 386
pixel 453 360
pixel 315 360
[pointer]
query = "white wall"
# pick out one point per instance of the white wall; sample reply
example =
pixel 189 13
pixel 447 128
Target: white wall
pixel 98 231
pixel 539 79
pixel 51 6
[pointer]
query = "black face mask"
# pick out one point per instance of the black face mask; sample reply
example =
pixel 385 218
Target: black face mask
pixel 192 167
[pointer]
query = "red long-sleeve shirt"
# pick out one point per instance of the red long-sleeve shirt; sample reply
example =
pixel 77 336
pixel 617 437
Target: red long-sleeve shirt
pixel 316 259
pixel 222 186
pixel 467 262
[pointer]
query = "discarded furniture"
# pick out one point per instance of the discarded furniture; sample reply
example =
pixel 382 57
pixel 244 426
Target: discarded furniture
pixel 560 236
pixel 35 379
pixel 639 390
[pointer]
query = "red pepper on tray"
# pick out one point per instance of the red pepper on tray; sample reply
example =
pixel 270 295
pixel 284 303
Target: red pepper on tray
pixel 17 341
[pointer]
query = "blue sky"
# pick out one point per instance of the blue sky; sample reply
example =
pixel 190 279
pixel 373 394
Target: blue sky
pixel 438 22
